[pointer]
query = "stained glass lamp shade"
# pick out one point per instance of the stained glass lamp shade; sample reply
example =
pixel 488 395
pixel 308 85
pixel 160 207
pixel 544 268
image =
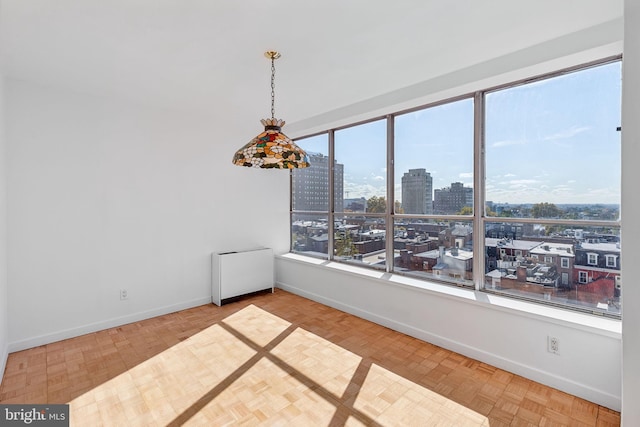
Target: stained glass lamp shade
pixel 271 149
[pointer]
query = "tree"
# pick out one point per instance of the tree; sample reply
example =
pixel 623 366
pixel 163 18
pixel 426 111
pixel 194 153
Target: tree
pixel 506 213
pixel 552 229
pixel 466 210
pixel 545 210
pixel 397 207
pixel 377 205
pixel 344 245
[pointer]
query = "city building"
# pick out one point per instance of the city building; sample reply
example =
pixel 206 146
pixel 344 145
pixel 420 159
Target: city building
pixel 451 200
pixel 560 258
pixel 450 264
pixel 358 204
pixel 417 192
pixel 505 253
pixel 597 267
pixel 310 188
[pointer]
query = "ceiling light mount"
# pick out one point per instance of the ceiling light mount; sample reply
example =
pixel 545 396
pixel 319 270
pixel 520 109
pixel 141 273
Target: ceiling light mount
pixel 272 54
pixel 271 149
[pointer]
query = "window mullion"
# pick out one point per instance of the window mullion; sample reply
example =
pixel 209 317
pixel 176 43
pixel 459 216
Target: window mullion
pixel 389 217
pixel 479 195
pixel 332 196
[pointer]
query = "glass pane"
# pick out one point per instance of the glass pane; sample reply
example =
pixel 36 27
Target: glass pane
pixel 360 239
pixel 441 250
pixel 361 156
pixel 555 263
pixel 309 234
pixel 553 149
pixel 310 186
pixel 434 160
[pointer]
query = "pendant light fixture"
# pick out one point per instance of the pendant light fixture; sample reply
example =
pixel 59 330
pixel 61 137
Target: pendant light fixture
pixel 271 149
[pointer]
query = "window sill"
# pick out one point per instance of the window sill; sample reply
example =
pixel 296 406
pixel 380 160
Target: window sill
pixel 565 317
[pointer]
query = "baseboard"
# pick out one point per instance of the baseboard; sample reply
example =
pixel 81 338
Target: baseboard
pixel 3 360
pixel 564 384
pixel 105 324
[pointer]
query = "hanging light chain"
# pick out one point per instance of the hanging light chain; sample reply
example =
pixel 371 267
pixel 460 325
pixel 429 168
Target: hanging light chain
pixel 273 87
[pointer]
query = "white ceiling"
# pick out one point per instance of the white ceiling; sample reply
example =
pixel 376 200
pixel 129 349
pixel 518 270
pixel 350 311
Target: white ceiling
pixel 208 54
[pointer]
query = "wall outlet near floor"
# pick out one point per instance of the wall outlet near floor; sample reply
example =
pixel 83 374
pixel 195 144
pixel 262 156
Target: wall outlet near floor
pixel 553 345
pixel 124 294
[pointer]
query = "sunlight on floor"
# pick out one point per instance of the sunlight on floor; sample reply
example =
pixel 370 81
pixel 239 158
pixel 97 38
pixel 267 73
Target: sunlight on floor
pixel 159 389
pixel 258 325
pixel 256 368
pixel 326 364
pixel 393 400
pixel 267 394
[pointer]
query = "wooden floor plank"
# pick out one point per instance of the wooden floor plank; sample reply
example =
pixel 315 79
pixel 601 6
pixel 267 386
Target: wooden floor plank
pixel 278 359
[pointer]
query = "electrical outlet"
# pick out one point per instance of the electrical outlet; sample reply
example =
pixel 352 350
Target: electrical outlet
pixel 124 294
pixel 553 345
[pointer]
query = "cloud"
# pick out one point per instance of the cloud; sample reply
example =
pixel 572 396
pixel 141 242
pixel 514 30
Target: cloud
pixel 522 181
pixel 363 190
pixel 378 178
pixel 507 143
pixel 465 175
pixel 567 133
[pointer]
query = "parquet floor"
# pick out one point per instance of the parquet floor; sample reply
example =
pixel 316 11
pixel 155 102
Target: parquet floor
pixel 278 359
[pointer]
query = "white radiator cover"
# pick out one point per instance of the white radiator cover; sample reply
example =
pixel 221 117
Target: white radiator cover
pixel 238 273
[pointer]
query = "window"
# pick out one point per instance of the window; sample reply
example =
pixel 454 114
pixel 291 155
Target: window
pixel 360 220
pixel 548 189
pixel 582 277
pixel 310 199
pixel 543 139
pixel 433 174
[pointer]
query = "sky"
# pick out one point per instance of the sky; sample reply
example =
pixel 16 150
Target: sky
pixel 549 141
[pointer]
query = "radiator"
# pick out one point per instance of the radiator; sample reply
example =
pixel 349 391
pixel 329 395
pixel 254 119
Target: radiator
pixel 234 274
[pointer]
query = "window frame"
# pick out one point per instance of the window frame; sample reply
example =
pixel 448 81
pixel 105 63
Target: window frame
pixel 478 219
pixel 583 276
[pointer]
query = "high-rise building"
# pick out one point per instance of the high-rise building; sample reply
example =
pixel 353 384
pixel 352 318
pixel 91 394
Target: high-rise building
pixel 450 200
pixel 417 190
pixel 310 190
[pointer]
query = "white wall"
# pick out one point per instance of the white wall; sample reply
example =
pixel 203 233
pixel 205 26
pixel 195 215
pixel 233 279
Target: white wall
pixel 4 318
pixel 631 216
pixel 103 195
